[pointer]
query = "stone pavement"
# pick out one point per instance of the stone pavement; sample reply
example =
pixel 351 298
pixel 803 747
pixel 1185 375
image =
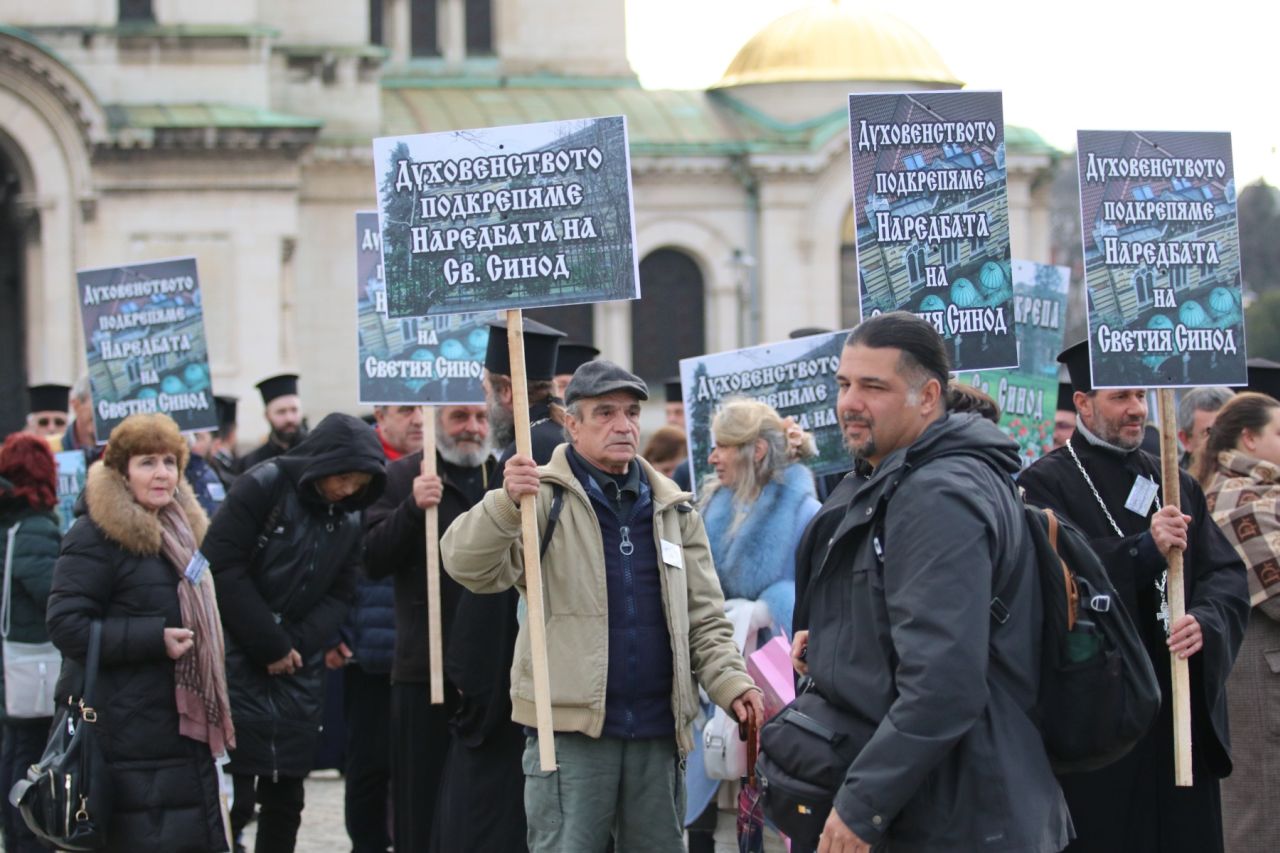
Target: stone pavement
pixel 323 830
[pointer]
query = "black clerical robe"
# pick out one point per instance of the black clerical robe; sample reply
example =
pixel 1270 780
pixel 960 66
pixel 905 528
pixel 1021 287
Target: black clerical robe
pixel 481 805
pixel 1132 806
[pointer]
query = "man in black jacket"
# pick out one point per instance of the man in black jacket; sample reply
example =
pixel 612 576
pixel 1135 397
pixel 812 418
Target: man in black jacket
pixel 900 627
pixel 282 407
pixel 395 546
pixel 285 555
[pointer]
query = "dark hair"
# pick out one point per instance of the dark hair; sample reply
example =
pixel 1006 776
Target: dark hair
pixel 923 353
pixel 28 464
pixel 1248 411
pixel 666 443
pixel 963 397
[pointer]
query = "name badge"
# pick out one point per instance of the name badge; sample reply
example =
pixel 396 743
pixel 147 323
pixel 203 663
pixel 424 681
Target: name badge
pixel 195 569
pixel 1141 495
pixel 217 493
pixel 672 554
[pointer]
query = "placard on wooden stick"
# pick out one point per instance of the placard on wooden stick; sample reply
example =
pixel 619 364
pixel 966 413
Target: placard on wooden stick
pixel 505 218
pixel 415 361
pixel 1162 269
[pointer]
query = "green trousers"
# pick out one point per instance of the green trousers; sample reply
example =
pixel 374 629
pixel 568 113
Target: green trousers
pixel 630 789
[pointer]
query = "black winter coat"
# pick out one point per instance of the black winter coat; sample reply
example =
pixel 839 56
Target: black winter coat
pixel 287 585
pixel 165 788
pixel 951 758
pixel 395 546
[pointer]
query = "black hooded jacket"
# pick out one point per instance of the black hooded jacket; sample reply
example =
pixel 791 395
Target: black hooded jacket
pixel 285 562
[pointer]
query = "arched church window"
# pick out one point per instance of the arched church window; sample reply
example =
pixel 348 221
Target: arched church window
pixel 1142 286
pixel 668 322
pixel 479 22
pixel 424 32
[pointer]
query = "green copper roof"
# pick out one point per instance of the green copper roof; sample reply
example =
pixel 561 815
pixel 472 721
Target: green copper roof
pixel 202 115
pixel 659 121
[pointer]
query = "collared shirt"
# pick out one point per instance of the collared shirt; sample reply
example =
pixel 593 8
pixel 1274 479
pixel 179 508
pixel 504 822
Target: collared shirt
pixel 621 491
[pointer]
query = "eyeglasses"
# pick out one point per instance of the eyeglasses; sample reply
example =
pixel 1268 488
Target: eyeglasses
pixel 46 421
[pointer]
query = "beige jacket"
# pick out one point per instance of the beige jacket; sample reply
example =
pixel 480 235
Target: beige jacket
pixel 482 551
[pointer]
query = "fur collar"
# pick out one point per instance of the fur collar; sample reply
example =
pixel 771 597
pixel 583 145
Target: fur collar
pixel 124 521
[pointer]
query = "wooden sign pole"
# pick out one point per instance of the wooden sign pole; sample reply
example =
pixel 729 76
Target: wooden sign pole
pixel 529 535
pixel 1176 592
pixel 435 634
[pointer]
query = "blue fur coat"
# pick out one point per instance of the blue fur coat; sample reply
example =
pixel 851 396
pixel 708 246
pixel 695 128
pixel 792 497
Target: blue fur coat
pixel 757 562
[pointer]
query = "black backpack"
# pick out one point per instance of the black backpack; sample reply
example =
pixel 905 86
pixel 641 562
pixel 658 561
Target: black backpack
pixel 1098 690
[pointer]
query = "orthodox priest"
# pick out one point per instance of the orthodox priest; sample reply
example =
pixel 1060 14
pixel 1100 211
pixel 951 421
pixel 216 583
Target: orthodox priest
pixel 1103 482
pixel 481 804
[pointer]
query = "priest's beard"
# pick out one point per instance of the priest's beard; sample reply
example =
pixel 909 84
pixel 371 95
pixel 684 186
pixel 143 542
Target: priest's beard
pixel 466 450
pixel 1111 430
pixel 289 440
pixel 502 424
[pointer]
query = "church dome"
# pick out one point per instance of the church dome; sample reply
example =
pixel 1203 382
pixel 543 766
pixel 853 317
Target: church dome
pixel 832 41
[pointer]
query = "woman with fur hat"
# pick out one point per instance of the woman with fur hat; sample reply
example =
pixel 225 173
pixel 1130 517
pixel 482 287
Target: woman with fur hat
pixel 132 561
pixel 754 507
pixel 29 537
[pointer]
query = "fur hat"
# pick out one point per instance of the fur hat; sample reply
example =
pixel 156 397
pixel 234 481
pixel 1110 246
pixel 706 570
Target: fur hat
pixel 140 434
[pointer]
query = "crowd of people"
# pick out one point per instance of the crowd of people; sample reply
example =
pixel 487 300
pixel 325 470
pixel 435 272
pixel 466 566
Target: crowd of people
pixel 231 588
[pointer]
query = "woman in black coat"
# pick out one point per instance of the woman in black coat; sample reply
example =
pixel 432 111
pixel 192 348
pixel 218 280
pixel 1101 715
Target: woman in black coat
pixel 285 554
pixel 161 692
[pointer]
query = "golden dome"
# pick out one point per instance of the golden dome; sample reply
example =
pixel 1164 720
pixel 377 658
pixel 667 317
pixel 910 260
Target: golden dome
pixel 831 41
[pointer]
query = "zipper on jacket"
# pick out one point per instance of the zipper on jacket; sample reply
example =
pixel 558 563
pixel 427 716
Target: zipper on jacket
pixel 629 596
pixel 275 762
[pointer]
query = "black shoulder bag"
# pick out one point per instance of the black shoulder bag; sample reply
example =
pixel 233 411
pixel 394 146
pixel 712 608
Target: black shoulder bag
pixel 66 797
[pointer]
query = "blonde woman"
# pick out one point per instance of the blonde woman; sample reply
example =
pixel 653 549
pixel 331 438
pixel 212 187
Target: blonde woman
pixel 755 506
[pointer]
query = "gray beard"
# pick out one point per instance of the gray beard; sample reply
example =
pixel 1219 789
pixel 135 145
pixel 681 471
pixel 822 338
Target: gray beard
pixel 451 453
pixel 502 424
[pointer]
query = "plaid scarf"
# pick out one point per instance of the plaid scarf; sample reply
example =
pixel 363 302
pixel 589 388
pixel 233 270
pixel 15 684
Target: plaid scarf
pixel 1244 499
pixel 204 709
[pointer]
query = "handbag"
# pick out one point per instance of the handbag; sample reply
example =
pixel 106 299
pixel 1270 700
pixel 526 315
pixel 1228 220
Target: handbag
pixel 30 669
pixel 66 797
pixel 805 752
pixel 724 751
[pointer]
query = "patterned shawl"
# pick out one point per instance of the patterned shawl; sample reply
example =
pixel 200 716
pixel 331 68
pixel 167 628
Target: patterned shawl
pixel 1244 498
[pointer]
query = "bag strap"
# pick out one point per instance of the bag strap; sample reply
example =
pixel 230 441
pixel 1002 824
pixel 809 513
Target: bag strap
pixel 8 580
pixel 91 664
pixel 557 505
pixel 1068 579
pixel 264 535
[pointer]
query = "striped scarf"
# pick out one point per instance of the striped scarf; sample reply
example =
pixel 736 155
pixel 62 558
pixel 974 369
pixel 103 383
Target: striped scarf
pixel 1244 499
pixel 204 710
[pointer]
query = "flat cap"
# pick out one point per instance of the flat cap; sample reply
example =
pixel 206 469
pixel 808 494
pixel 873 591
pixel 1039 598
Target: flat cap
pixel 597 378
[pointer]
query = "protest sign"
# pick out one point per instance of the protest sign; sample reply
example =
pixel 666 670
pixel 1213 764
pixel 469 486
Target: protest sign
pixel 523 216
pixel 145 341
pixel 932 217
pixel 1028 394
pixel 411 360
pixel 796 377
pixel 1162 259
pixel 72 472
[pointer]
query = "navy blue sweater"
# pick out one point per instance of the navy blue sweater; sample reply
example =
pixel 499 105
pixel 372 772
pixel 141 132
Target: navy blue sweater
pixel 638 691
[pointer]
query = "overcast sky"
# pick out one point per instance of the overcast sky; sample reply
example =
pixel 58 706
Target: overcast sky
pixel 1083 64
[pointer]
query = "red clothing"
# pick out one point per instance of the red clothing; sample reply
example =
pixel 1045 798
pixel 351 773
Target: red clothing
pixel 392 453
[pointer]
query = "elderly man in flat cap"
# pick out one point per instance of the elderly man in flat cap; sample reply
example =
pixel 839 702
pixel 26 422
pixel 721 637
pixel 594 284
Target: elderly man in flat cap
pixel 638 613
